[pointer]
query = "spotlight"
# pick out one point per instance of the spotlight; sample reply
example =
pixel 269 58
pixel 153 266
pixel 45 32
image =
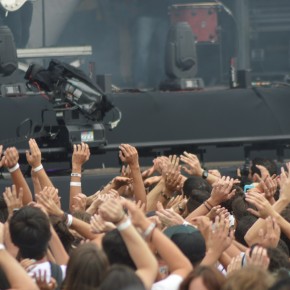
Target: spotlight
pixel 8 54
pixel 181 59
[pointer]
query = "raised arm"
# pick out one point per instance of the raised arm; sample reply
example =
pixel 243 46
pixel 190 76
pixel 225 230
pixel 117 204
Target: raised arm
pixel 278 206
pixel 128 154
pixel 177 263
pixel 33 157
pixel 57 249
pixel 193 167
pixel 221 191
pixel 81 154
pixel 140 253
pixel 11 157
pixel 78 225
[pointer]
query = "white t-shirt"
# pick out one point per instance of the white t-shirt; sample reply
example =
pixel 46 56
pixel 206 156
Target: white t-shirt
pixel 172 282
pixel 42 268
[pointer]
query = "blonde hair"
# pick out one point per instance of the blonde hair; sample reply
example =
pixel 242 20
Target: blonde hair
pixel 249 278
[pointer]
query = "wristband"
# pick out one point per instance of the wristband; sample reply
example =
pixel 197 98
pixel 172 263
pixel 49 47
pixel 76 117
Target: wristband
pixel 2 247
pixel 206 206
pixel 149 230
pixel 73 174
pixel 73 183
pixel 69 220
pixel 38 168
pixel 123 226
pixel 209 203
pixel 186 223
pixel 14 168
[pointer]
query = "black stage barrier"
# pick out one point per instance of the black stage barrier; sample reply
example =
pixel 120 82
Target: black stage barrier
pixel 160 121
pixel 162 117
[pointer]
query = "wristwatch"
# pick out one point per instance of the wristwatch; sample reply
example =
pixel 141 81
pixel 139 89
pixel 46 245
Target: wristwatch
pixel 204 174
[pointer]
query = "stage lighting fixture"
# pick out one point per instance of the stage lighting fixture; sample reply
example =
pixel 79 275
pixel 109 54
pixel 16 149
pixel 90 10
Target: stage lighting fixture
pixel 8 54
pixel 181 59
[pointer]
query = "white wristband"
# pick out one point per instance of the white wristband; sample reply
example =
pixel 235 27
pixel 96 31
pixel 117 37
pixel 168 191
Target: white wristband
pixel 73 183
pixel 69 220
pixel 38 168
pixel 14 168
pixel 186 223
pixel 73 174
pixel 123 226
pixel 2 247
pixel 149 230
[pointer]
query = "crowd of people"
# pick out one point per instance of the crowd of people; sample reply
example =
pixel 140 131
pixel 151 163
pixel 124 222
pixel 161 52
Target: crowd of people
pixel 172 226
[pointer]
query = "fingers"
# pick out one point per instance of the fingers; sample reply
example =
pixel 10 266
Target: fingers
pixel 259 257
pixel 235 264
pixel 97 224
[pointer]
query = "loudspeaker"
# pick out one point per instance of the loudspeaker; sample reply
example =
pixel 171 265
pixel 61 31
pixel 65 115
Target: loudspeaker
pixel 244 79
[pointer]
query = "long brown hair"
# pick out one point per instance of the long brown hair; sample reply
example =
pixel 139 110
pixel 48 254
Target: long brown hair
pixel 86 268
pixel 211 278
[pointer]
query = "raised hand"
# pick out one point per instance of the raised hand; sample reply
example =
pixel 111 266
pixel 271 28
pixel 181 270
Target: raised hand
pixel 222 190
pixel 45 199
pixel 160 163
pixel 98 225
pixel 169 217
pixel 215 172
pixel 120 181
pixel 136 214
pixel 152 180
pixel 2 158
pixel 192 164
pixel 148 172
pixel 52 193
pixel 235 264
pixel 258 257
pixel 172 177
pixel 141 205
pixel 271 235
pixel 284 183
pixel 129 154
pixel 264 171
pixel 126 171
pixel 33 156
pixel 43 282
pixel 79 202
pixel 12 199
pixel 204 225
pixel 81 154
pixel 268 186
pixel 264 208
pixel 11 157
pixel 112 211
pixel 220 238
pixel 217 211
